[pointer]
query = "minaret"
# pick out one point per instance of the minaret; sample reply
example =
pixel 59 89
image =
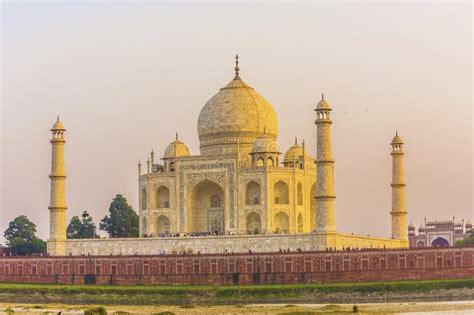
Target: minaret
pixel 399 212
pixel 57 207
pixel 324 170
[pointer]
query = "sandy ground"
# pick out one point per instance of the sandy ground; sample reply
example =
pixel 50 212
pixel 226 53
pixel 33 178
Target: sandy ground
pixel 458 307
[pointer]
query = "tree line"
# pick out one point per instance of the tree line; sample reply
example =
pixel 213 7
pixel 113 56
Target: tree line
pixel 121 221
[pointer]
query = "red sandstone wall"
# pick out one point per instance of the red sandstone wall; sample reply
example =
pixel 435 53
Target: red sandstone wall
pixel 262 268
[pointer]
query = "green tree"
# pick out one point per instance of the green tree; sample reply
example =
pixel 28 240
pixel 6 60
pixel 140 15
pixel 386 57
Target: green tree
pixel 122 220
pixel 21 247
pixel 21 227
pixel 82 229
pixel 468 241
pixel 74 228
pixel 21 237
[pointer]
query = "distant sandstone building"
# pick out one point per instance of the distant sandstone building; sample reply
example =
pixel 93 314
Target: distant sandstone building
pixel 241 193
pixel 439 233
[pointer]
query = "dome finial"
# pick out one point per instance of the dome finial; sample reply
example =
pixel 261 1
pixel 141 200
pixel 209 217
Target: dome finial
pixel 58 125
pixel 237 66
pixel 176 135
pixel 322 96
pixel 296 140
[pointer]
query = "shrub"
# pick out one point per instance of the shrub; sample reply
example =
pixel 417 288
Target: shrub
pixel 100 310
pixel 355 309
pixel 187 306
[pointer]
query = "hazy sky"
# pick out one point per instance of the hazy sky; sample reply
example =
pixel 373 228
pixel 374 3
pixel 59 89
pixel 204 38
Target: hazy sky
pixel 124 77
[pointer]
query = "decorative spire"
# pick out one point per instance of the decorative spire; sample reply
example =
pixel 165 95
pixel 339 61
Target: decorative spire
pixel 57 118
pixel 296 140
pixel 322 96
pixel 176 136
pixel 237 66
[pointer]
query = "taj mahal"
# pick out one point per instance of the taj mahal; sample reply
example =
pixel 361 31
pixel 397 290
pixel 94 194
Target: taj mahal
pixel 241 193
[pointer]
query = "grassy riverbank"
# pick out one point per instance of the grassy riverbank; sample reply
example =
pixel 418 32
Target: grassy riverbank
pixel 456 289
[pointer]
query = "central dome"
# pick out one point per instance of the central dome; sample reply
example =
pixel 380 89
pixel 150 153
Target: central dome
pixel 235 115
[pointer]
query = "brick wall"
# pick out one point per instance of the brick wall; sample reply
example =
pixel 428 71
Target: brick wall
pixel 261 268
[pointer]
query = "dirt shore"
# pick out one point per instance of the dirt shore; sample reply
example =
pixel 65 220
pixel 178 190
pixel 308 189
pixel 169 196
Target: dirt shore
pixel 458 307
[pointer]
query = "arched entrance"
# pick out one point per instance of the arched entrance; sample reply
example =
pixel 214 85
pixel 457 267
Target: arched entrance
pixel 163 224
pixel 162 198
pixel 281 193
pixel 206 208
pixel 440 242
pixel 312 208
pixel 282 222
pixel 299 194
pixel 252 193
pixel 144 199
pixel 144 227
pixel 300 223
pixel 254 223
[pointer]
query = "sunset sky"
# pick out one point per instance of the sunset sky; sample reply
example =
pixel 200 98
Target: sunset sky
pixel 124 77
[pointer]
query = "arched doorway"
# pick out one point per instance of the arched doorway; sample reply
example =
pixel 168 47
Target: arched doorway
pixel 162 197
pixel 254 223
pixel 299 194
pixel 163 224
pixel 144 199
pixel 270 161
pixel 300 223
pixel 252 193
pixel 282 222
pixel 313 208
pixel 440 242
pixel 281 193
pixel 144 226
pixel 206 208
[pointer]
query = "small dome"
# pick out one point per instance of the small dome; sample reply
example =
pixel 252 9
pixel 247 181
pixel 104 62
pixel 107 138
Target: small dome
pixel 397 139
pixel 421 228
pixel 468 223
pixel 323 104
pixel 58 125
pixel 176 149
pixel 265 144
pixel 295 152
pixel 411 226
